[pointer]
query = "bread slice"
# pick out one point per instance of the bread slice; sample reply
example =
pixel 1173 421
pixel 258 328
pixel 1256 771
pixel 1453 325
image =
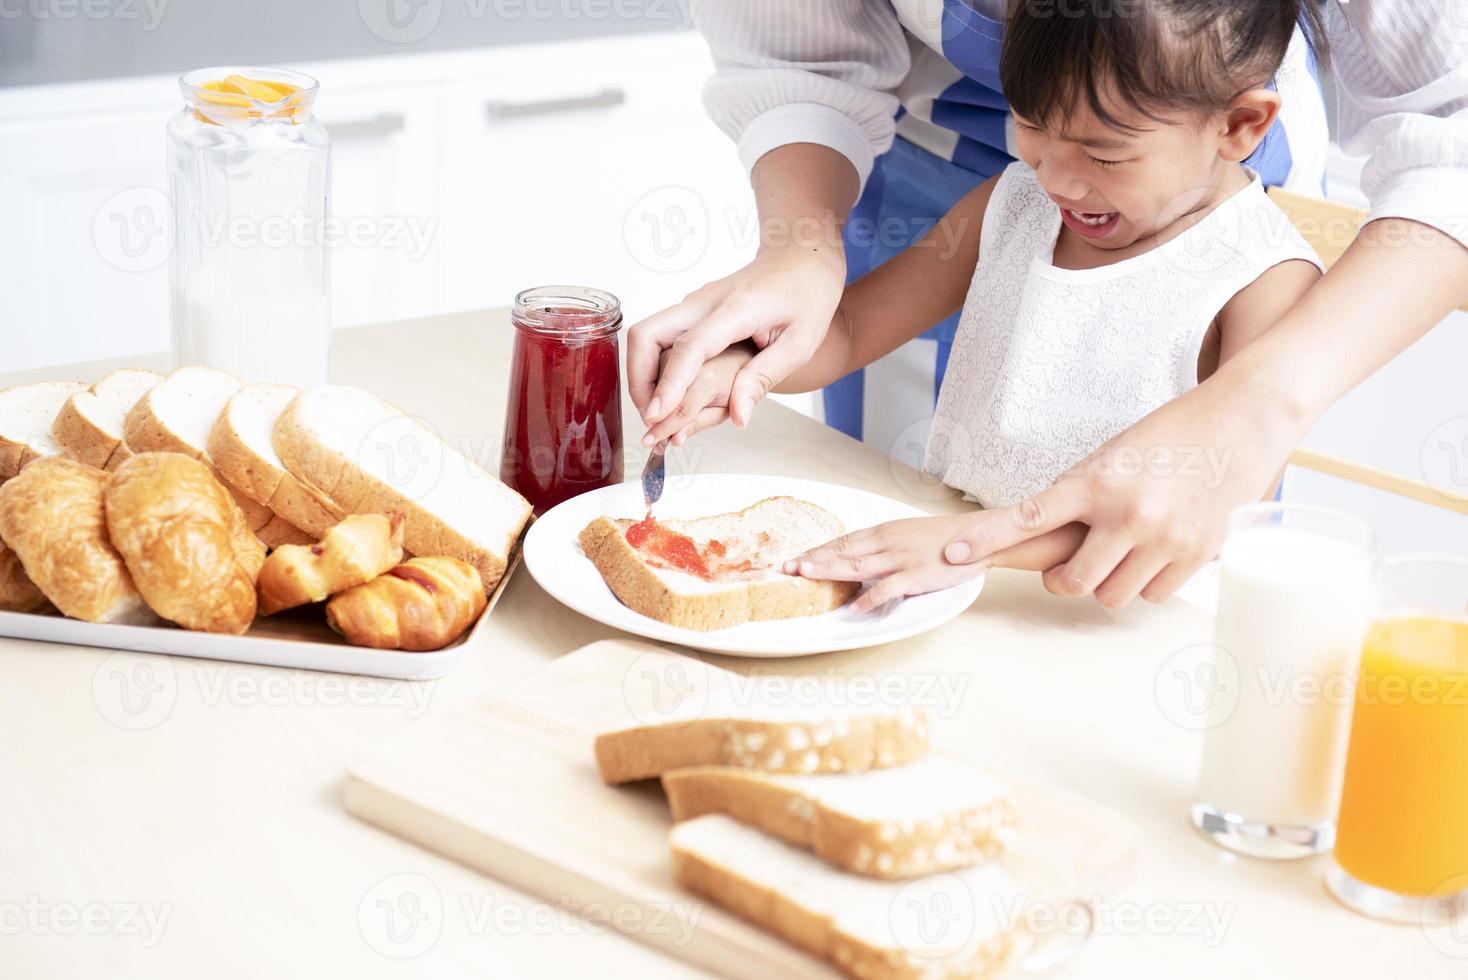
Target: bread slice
pixel 242 449
pixel 743 552
pixel 933 814
pixel 767 734
pixel 368 457
pixel 26 414
pixel 961 924
pixel 178 415
pixel 88 428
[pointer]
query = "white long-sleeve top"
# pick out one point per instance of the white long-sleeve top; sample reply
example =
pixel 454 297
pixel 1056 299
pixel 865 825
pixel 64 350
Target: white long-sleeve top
pixel 837 72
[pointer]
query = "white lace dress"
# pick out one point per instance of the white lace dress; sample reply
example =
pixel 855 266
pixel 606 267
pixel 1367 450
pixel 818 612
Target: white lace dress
pixel 1049 363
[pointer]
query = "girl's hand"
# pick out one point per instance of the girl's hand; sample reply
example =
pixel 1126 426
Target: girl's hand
pixel 783 301
pixel 706 402
pixel 905 558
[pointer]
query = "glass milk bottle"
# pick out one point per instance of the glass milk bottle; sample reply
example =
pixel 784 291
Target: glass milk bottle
pixel 1295 596
pixel 248 170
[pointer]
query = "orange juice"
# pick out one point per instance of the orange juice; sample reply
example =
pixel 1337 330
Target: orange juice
pixel 1404 811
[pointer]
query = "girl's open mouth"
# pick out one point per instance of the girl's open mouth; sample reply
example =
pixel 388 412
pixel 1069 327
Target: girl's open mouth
pixel 1090 224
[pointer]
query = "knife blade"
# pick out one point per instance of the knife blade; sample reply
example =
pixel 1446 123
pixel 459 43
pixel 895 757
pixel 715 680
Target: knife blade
pixel 654 473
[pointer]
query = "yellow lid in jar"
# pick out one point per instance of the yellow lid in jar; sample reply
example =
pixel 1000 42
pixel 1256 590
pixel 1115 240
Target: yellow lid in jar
pixel 228 97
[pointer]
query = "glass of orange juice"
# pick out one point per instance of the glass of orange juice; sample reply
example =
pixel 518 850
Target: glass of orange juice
pixel 1401 848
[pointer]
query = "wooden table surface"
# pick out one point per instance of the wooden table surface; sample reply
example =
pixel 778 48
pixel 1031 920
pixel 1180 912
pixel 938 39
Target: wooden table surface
pixel 165 817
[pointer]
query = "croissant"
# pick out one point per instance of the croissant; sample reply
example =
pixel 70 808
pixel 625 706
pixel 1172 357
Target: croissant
pixel 355 551
pixel 185 542
pixel 51 516
pixel 17 592
pixel 422 604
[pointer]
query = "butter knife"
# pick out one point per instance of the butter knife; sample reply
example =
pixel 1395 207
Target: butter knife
pixel 653 474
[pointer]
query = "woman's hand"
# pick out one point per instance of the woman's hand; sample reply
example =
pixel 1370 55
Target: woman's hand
pixel 783 301
pixel 706 402
pixel 1154 500
pixel 904 558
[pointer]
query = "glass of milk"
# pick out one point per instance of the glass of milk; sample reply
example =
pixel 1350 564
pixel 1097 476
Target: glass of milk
pixel 1295 597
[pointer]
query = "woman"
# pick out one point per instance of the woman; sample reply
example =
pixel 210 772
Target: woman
pixel 815 91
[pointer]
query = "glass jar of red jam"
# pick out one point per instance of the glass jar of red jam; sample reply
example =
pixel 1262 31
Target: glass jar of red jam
pixel 563 418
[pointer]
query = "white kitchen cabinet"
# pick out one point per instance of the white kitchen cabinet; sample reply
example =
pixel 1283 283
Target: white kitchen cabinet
pixel 83 258
pixel 610 176
pixel 386 201
pixel 457 178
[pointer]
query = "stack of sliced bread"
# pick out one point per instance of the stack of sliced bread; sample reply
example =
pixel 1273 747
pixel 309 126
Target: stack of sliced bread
pixel 837 830
pixel 296 462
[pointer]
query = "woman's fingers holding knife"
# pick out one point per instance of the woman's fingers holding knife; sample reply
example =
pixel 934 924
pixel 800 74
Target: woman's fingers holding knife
pixel 648 339
pixel 702 394
pixel 710 389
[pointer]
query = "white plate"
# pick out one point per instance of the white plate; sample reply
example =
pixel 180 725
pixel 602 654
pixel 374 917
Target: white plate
pixel 555 559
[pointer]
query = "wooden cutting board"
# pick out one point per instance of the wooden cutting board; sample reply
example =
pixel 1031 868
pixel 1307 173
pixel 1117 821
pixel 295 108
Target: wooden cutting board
pixel 510 788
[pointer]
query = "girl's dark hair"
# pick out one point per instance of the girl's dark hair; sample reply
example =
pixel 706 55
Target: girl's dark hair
pixel 1154 56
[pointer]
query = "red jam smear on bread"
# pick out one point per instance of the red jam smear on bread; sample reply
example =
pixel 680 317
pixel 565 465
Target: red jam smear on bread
pixel 663 547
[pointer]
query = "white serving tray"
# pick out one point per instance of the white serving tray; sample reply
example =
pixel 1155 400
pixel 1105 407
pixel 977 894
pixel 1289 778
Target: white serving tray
pixel 296 638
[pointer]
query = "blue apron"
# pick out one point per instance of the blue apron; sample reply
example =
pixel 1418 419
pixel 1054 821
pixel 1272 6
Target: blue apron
pixel 911 188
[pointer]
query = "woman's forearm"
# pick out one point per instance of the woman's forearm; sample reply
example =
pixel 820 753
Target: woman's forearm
pixel 1396 282
pixel 803 193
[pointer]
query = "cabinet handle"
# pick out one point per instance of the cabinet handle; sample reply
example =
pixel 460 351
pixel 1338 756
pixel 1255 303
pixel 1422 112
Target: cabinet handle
pixel 379 125
pixel 606 98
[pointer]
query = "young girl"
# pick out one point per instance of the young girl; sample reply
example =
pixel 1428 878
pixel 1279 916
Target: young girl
pixel 1122 259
